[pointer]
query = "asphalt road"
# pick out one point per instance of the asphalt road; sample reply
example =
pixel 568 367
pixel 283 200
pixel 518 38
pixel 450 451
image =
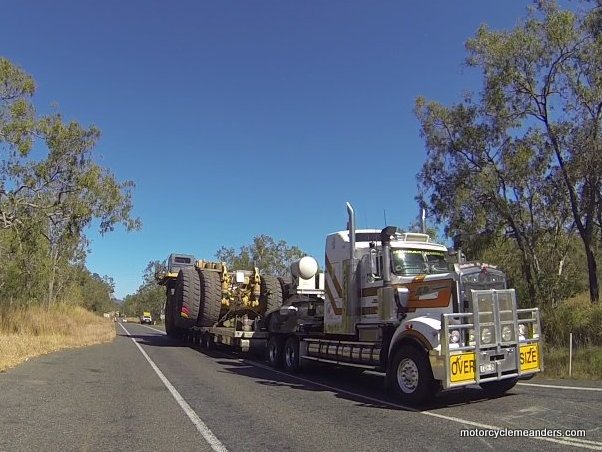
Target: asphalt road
pixel 147 392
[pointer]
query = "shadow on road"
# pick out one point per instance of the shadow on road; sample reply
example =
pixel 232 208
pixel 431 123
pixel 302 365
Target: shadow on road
pixel 365 389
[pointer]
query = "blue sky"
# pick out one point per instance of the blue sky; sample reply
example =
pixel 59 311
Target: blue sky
pixel 239 118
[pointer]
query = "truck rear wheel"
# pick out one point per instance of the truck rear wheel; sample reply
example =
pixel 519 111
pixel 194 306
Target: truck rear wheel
pixel 291 355
pixel 211 297
pixel 270 295
pixel 410 376
pixel 188 298
pixel 274 351
pixel 498 388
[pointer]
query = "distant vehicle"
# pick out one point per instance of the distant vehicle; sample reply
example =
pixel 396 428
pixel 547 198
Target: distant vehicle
pixel 146 318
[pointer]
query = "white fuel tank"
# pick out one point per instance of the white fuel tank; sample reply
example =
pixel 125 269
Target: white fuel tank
pixel 305 268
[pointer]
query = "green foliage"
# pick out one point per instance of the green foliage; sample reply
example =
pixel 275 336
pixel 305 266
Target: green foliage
pixel 271 257
pixel 149 296
pixel 576 315
pixel 522 160
pixel 47 202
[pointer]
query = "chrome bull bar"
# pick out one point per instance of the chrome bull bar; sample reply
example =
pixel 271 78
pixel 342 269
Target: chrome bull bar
pixel 494 342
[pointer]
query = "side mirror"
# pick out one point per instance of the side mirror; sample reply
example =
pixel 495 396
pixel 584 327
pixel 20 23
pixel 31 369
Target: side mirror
pixel 374 267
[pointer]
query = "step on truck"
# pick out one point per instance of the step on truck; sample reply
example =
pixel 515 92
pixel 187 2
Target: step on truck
pixel 387 301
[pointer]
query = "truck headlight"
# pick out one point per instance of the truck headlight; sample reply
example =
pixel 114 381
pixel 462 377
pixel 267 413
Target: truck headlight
pixel 522 330
pixel 507 333
pixel 486 336
pixel 454 336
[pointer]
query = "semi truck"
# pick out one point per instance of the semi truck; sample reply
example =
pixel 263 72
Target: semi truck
pixel 387 301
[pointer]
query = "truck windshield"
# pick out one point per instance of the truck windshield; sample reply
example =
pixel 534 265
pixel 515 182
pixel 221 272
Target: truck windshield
pixel 406 262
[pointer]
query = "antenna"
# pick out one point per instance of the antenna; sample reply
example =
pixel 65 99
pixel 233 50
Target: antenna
pixel 385 215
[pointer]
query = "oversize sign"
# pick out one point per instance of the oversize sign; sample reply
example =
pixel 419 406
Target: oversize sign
pixel 462 367
pixel 529 357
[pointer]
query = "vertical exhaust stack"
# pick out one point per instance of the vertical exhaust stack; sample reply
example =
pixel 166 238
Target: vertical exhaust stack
pixel 352 311
pixel 385 239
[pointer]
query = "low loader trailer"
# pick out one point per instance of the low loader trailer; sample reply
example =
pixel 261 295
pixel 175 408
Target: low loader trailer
pixel 387 301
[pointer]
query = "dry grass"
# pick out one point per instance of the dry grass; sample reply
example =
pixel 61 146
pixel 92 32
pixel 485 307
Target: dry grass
pixel 34 331
pixel 587 362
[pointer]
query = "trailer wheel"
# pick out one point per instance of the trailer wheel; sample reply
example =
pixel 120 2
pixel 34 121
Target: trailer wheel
pixel 274 351
pixel 270 294
pixel 211 296
pixel 410 376
pixel 291 355
pixel 188 298
pixel 209 341
pixel 496 389
pixel 203 340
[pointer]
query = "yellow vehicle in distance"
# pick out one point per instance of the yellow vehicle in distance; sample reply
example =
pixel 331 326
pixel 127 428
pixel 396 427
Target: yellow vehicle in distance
pixel 146 318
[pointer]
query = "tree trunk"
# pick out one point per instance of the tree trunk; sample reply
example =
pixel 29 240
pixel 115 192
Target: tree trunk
pixel 592 269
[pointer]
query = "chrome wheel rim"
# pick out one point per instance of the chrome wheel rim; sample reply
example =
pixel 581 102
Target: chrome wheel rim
pixel 272 353
pixel 290 357
pixel 407 375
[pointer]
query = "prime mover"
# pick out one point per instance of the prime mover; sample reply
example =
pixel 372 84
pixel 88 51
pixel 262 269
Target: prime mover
pixel 387 301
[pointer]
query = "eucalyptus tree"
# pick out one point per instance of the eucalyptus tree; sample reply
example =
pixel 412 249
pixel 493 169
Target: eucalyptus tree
pixel 524 155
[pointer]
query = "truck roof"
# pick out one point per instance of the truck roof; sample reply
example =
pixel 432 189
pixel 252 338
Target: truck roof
pixel 363 238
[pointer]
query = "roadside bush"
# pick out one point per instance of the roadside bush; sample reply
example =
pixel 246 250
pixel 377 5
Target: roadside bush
pixel 576 315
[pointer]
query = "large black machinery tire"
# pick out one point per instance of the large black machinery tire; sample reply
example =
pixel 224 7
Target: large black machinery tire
pixel 169 308
pixel 285 284
pixel 270 295
pixel 188 298
pixel 211 297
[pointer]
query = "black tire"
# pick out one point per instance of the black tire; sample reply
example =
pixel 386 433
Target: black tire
pixel 211 297
pixel 188 298
pixel 290 355
pixel 410 376
pixel 275 351
pixel 204 340
pixel 169 328
pixel 210 341
pixel 285 284
pixel 270 294
pixel 498 388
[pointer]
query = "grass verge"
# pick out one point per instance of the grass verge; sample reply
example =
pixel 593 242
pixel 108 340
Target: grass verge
pixel 33 331
pixel 587 362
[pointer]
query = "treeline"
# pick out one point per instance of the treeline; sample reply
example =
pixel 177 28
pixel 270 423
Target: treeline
pixel 517 166
pixel 51 189
pixel 271 257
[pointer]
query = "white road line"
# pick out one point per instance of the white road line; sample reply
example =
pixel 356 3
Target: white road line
pixel 577 388
pixel 215 443
pixel 576 442
pixel 154 329
pixel 593 445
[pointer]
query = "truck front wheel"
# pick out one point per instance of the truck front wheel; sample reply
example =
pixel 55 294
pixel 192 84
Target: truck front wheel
pixel 410 376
